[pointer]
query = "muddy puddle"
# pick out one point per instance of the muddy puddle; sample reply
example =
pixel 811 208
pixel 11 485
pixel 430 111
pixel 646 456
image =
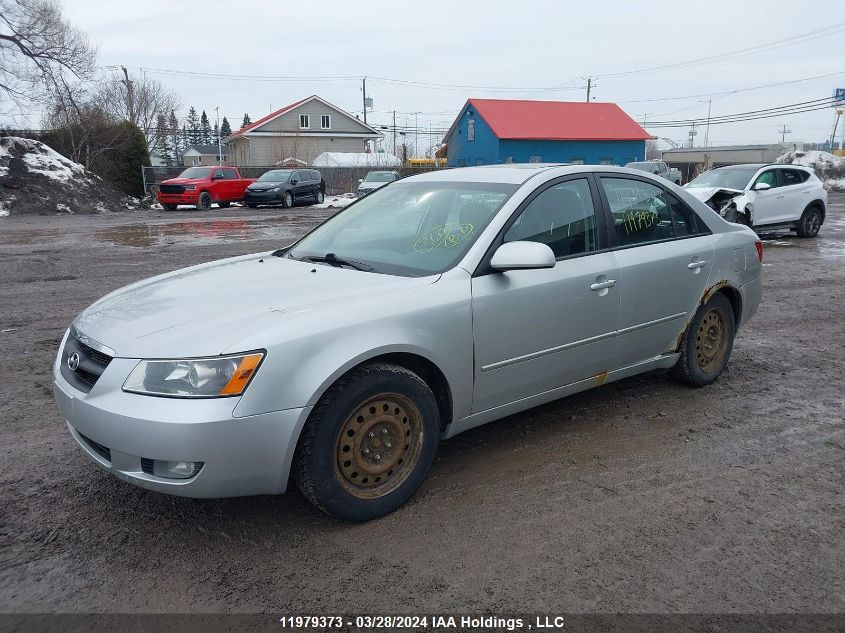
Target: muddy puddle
pixel 201 232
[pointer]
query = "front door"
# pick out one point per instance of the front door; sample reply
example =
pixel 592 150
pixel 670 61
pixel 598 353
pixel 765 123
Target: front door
pixel 665 254
pixel 535 330
pixel 768 205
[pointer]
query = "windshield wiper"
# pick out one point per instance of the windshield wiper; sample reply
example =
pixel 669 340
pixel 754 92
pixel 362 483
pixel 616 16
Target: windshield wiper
pixel 334 260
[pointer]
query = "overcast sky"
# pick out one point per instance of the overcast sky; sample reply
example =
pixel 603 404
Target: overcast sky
pixel 529 45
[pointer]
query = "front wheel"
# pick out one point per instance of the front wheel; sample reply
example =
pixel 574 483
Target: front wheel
pixel 810 222
pixel 707 344
pixel 319 197
pixel 204 202
pixel 369 443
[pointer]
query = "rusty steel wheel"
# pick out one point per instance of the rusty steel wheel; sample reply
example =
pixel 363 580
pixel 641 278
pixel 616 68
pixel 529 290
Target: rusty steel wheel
pixel 378 446
pixel 711 341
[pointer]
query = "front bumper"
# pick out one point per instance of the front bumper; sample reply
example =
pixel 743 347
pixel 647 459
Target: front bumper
pixel 263 197
pixel 188 197
pixel 241 456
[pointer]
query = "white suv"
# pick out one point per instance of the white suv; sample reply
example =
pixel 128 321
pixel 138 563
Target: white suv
pixel 765 196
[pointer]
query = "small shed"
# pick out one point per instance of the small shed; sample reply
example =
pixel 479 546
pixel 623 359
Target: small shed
pixel 491 131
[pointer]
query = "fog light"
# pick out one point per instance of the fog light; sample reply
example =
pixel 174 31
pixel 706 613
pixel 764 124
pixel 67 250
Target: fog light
pixel 176 470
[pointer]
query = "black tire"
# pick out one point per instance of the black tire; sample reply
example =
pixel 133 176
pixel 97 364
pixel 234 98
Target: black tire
pixel 170 206
pixel 252 205
pixel 224 205
pixel 287 200
pixel 810 222
pixel 319 197
pixel 321 469
pixel 703 358
pixel 204 201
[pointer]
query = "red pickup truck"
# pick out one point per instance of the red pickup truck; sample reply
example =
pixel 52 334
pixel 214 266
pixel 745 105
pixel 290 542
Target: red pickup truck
pixel 202 186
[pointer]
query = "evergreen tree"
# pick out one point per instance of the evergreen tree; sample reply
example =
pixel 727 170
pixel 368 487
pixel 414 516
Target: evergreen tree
pixel 247 120
pixel 225 128
pixel 193 124
pixel 162 139
pixel 205 130
pixel 173 128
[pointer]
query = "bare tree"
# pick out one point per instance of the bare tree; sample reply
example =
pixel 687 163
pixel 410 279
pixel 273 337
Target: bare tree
pixel 40 50
pixel 149 100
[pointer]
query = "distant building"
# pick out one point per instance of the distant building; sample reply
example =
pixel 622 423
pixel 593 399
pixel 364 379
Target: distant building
pixel 694 160
pixel 203 155
pixel 361 159
pixel 492 131
pixel 298 133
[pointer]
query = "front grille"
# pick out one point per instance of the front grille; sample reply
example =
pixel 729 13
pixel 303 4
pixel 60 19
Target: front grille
pixel 171 188
pixel 147 465
pixel 92 363
pixel 102 451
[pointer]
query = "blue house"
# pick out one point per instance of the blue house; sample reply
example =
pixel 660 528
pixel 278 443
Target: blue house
pixel 492 131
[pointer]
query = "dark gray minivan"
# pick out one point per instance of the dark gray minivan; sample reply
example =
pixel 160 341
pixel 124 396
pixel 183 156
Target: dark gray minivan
pixel 286 187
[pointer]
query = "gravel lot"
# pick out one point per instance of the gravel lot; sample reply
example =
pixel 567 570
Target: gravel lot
pixel 642 495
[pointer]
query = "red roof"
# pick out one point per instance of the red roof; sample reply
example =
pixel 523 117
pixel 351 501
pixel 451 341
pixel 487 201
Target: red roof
pixel 558 120
pixel 272 115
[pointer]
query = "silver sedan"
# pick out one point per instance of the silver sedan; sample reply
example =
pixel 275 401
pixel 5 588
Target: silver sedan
pixel 433 305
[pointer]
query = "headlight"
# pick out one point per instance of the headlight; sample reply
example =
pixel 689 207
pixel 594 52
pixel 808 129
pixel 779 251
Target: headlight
pixel 276 189
pixel 190 187
pixel 214 377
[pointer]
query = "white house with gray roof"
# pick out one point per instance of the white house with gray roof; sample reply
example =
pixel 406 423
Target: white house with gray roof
pixel 298 133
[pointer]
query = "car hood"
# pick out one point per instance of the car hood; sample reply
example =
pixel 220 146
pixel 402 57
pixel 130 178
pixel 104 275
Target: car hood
pixel 183 181
pixel 205 309
pixel 705 193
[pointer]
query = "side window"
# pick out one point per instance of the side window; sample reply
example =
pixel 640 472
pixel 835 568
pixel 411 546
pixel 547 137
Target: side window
pixel 295 176
pixel 218 173
pixel 791 177
pixel 470 129
pixel 685 222
pixel 767 177
pixel 229 174
pixel 640 211
pixel 326 122
pixel 304 121
pixel 562 216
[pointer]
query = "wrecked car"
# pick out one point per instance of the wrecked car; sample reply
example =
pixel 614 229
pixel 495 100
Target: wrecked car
pixel 433 305
pixel 765 197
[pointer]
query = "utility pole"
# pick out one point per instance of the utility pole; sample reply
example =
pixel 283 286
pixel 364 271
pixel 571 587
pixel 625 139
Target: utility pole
pixel 130 104
pixel 394 132
pixel 783 132
pixel 416 134
pixel 364 85
pixel 692 134
pixel 219 146
pixel 589 86
pixel 707 131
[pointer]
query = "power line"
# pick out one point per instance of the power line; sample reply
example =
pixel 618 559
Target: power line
pixel 740 119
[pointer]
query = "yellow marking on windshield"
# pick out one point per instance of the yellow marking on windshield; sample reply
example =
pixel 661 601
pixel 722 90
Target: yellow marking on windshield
pixel 446 235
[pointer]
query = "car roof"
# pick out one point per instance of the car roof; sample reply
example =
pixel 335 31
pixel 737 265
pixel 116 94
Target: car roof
pixel 762 165
pixel 510 173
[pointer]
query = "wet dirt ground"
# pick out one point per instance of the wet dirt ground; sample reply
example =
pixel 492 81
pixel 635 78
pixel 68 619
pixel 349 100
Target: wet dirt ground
pixel 641 495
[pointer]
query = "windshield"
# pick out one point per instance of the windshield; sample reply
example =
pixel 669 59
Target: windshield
pixel 275 175
pixel 730 178
pixel 410 228
pixel 196 172
pixel 379 176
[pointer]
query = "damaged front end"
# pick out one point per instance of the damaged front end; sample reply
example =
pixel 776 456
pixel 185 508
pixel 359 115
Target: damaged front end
pixel 729 203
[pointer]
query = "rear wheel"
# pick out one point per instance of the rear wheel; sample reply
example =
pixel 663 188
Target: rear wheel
pixel 204 202
pixel 708 343
pixel 170 206
pixel 810 222
pixel 287 200
pixel 319 197
pixel 252 205
pixel 369 443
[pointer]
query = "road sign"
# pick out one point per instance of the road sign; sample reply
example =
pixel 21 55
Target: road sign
pixel 839 97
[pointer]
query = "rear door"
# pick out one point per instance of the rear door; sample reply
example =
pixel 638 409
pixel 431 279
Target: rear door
pixel 234 186
pixel 665 254
pixel 536 330
pixel 795 193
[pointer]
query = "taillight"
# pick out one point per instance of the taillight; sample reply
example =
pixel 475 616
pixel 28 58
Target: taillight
pixel 759 246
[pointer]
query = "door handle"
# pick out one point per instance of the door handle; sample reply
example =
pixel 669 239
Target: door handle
pixel 601 285
pixel 695 265
pixel 779 196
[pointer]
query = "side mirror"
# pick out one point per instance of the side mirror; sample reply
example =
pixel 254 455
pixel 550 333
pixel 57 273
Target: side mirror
pixel 762 186
pixel 522 256
pixel 293 181
pixel 360 180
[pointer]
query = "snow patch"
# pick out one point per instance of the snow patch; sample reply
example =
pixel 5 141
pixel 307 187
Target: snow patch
pixel 4 212
pixel 63 208
pixel 335 201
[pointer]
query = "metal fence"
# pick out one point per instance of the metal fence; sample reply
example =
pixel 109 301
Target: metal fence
pixel 339 180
